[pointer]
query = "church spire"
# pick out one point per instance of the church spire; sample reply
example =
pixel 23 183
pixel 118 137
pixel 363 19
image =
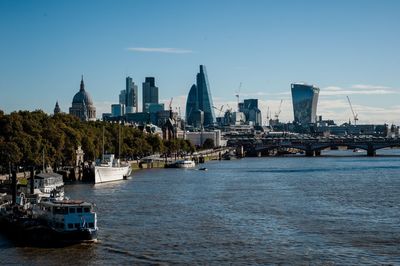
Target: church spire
pixel 82 85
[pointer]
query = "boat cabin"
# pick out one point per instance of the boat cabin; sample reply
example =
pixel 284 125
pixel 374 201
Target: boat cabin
pixel 69 215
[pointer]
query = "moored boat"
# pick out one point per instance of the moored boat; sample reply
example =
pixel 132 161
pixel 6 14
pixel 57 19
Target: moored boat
pixel 110 169
pixel 185 164
pixel 46 221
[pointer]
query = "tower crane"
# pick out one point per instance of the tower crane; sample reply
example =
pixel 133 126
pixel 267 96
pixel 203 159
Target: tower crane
pixel 237 95
pixel 219 110
pixel 279 110
pixel 355 116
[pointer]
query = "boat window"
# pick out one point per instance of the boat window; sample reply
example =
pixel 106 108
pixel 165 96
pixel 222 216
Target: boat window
pixel 70 226
pixel 79 210
pixel 77 225
pixel 60 210
pixel 86 209
pixel 91 225
pixel 71 210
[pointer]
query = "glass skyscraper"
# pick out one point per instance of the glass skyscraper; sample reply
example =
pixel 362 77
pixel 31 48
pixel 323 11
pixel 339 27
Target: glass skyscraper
pixel 150 93
pixel 199 99
pixel 305 100
pixel 131 96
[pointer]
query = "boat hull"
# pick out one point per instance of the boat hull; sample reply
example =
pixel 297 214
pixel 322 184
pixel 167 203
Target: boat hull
pixel 104 174
pixel 33 232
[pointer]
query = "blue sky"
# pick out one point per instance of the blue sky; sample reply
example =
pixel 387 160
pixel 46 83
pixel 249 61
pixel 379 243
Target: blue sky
pixel 344 47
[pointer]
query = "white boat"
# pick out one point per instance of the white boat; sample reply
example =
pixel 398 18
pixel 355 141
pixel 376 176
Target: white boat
pixel 185 164
pixel 110 169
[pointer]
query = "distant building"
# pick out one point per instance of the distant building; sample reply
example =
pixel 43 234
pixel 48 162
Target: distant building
pixel 57 109
pixel 305 100
pixel 82 105
pixel 150 93
pixel 250 109
pixel 198 138
pixel 117 110
pixel 131 96
pixel 200 100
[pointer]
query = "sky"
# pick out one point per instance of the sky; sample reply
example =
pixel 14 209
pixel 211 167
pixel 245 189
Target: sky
pixel 344 47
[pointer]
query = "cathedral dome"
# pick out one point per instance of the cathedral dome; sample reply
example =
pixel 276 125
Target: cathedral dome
pixel 82 96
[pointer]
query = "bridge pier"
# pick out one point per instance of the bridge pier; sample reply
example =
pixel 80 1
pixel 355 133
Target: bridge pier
pixel 310 153
pixel 371 152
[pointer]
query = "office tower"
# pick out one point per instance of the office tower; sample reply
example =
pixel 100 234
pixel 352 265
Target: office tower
pixel 117 110
pixel 191 105
pixel 305 100
pixel 82 105
pixel 199 102
pixel 150 93
pixel 122 97
pixel 131 96
pixel 204 97
pixel 250 109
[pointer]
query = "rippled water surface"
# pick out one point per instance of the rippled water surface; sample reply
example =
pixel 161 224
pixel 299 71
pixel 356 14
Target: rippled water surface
pixel 327 210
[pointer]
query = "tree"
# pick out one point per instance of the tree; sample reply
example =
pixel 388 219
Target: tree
pixel 208 144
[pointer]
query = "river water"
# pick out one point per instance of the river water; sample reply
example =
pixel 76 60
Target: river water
pixel 331 210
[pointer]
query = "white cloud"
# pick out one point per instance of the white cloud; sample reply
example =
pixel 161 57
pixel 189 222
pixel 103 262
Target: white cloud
pixel 369 87
pixel 160 50
pixel 357 90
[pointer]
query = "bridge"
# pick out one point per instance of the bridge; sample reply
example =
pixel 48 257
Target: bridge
pixel 312 146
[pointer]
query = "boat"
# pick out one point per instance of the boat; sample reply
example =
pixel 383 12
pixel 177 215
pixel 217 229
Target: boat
pixel 30 219
pixel 185 164
pixel 203 169
pixel 110 169
pixel 47 185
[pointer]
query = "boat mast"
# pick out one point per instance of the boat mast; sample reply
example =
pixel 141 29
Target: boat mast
pixel 102 157
pixel 119 141
pixel 43 160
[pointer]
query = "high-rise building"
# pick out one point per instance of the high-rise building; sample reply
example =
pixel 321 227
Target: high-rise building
pixel 150 93
pixel 191 105
pixel 305 100
pixel 122 97
pixel 131 96
pixel 200 102
pixel 82 105
pixel 250 109
pixel 117 110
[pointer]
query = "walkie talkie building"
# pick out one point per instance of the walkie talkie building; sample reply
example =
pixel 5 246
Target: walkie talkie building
pixel 305 100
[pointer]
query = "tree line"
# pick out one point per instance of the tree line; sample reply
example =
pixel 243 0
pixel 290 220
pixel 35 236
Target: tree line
pixel 28 137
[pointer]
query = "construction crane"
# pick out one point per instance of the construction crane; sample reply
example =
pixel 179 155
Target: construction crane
pixel 279 110
pixel 237 95
pixel 170 103
pixel 219 110
pixel 355 116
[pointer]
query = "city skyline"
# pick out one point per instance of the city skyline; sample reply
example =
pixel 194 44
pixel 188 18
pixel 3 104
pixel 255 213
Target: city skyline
pixel 346 48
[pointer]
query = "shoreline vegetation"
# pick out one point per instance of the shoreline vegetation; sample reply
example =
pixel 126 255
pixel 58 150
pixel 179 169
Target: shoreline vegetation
pixel 34 139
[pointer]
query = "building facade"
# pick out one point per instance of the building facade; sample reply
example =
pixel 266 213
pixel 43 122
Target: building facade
pixel 117 110
pixel 250 109
pixel 200 101
pixel 82 105
pixel 305 100
pixel 131 96
pixel 150 93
